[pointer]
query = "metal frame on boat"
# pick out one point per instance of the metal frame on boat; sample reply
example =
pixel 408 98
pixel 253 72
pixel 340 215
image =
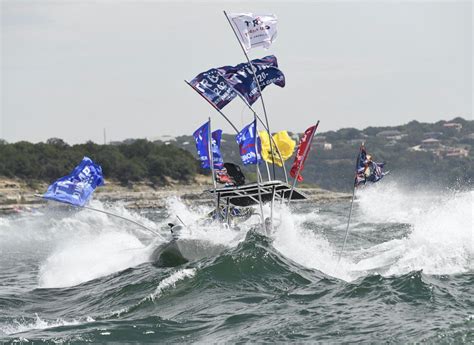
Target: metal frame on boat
pixel 248 194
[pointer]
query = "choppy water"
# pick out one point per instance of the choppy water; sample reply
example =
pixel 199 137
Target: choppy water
pixel 407 275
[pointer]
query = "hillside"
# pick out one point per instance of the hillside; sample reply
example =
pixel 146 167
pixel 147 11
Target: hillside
pixel 439 153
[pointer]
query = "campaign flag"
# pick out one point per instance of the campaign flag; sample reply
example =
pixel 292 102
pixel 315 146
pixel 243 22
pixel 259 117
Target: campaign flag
pixel 376 172
pixel 246 139
pixel 362 167
pixel 214 88
pixel 302 153
pixel 77 187
pixel 216 149
pixel 254 30
pixel 367 170
pixel 201 136
pixel 282 141
pixel 242 80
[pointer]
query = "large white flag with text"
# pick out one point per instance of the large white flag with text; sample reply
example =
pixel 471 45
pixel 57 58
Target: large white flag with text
pixel 254 30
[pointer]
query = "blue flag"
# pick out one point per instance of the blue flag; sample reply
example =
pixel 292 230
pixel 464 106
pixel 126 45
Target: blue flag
pixel 246 140
pixel 202 145
pixel 213 87
pixel 216 149
pixel 376 172
pixel 367 170
pixel 242 80
pixel 77 187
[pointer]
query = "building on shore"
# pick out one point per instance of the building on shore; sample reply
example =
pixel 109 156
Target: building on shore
pixel 430 144
pixel 390 135
pixel 455 152
pixel 455 125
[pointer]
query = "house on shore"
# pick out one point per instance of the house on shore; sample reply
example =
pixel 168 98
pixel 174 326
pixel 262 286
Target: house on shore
pixel 455 125
pixel 390 135
pixel 430 144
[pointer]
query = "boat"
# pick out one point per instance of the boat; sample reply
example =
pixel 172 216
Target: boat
pixel 179 250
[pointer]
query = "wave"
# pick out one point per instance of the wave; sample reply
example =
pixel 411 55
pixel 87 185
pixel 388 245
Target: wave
pixel 37 323
pixel 438 241
pixel 171 281
pixel 91 257
pixel 81 246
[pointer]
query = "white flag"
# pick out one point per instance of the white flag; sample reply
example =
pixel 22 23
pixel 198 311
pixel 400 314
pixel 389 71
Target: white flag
pixel 254 30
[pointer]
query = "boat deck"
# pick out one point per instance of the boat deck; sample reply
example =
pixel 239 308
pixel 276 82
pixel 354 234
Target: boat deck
pixel 248 195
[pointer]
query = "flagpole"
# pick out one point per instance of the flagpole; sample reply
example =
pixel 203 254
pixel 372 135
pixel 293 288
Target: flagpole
pixel 258 173
pixel 271 139
pixel 211 153
pixel 218 110
pixel 108 213
pixel 235 128
pixel 211 163
pixel 268 171
pixel 350 210
pixel 301 164
pixel 259 88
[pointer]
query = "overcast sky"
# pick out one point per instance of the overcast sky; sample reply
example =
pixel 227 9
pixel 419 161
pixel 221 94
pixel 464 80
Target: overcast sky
pixel 71 69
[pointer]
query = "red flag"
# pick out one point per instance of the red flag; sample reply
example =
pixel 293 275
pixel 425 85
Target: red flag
pixel 302 153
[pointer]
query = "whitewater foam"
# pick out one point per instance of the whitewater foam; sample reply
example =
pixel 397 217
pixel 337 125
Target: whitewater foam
pixel 20 326
pixel 171 281
pixel 307 247
pixel 214 233
pixel 439 241
pixel 91 257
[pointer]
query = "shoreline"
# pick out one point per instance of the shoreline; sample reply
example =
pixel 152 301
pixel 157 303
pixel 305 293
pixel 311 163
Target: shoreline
pixel 16 196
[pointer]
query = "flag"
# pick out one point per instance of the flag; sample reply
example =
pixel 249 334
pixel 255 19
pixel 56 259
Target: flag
pixel 77 187
pixel 302 153
pixel 376 172
pixel 216 149
pixel 247 139
pixel 362 167
pixel 254 30
pixel 201 136
pixel 284 143
pixel 214 88
pixel 241 77
pixel 367 170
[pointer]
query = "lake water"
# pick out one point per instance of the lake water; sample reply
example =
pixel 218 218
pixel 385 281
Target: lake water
pixel 406 275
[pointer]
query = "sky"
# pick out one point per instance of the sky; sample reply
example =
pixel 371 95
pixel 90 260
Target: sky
pixel 69 69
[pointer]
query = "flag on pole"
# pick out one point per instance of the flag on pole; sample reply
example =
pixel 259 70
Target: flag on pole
pixel 302 153
pixel 213 87
pixel 77 187
pixel 285 145
pixel 254 30
pixel 246 141
pixel 242 80
pixel 367 170
pixel 377 172
pixel 201 137
pixel 216 137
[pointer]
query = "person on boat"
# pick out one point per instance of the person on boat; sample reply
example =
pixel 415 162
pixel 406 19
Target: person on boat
pixel 230 175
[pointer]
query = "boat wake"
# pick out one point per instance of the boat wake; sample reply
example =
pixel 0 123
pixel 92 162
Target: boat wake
pixel 409 231
pixel 425 232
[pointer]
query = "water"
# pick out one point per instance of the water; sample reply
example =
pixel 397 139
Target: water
pixel 407 275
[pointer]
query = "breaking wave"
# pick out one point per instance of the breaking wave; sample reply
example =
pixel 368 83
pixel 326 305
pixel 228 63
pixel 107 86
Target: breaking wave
pixel 37 323
pixel 96 283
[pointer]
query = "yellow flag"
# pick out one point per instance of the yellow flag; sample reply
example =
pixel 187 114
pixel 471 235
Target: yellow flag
pixel 285 145
pixel 266 150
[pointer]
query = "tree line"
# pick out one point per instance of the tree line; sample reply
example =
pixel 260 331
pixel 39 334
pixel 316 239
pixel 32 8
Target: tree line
pixel 333 169
pixel 127 163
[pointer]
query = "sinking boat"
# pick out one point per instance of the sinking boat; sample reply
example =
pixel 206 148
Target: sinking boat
pixel 181 250
pixel 239 202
